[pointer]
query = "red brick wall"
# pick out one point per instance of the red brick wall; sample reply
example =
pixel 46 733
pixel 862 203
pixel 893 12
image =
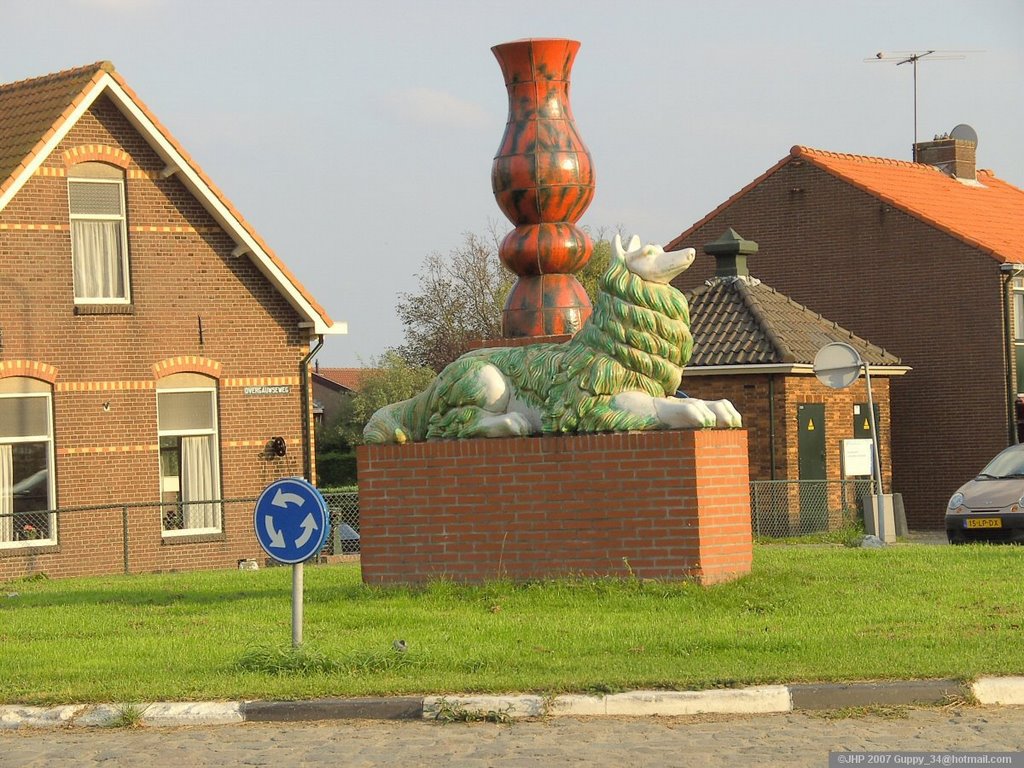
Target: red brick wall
pixel 903 285
pixel 181 269
pixel 671 504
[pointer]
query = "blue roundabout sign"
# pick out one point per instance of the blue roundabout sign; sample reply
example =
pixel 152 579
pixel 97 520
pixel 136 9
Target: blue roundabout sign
pixel 292 520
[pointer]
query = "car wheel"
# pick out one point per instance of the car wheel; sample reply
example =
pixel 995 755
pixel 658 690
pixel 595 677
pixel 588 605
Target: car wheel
pixel 956 539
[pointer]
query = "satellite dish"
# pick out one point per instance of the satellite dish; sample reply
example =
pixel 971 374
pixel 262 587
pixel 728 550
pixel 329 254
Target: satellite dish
pixel 964 132
pixel 837 365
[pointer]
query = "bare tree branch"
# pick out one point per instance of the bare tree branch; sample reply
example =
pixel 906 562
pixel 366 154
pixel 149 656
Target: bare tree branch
pixel 460 299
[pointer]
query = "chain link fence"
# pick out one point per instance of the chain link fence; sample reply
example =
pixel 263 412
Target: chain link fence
pixel 122 528
pixel 784 508
pixel 778 509
pixel 344 510
pixel 25 526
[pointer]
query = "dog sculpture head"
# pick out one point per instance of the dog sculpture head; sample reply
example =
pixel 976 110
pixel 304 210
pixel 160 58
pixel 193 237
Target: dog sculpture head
pixel 651 262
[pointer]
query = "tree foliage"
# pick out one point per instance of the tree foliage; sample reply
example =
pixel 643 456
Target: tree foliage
pixel 388 380
pixel 590 275
pixel 460 299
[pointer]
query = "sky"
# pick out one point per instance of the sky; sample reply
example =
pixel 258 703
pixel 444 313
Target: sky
pixel 357 137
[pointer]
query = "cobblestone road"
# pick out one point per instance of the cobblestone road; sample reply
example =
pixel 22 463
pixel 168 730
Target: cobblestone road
pixel 713 741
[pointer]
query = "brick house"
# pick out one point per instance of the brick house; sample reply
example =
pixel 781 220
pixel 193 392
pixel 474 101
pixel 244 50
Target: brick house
pixel 330 385
pixel 756 347
pixel 920 257
pixel 153 348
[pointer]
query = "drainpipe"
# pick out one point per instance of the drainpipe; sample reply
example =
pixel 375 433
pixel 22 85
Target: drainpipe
pixel 307 452
pixel 1008 272
pixel 771 422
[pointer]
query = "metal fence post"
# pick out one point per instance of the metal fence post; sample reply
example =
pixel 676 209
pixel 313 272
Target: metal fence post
pixel 124 535
pixel 757 510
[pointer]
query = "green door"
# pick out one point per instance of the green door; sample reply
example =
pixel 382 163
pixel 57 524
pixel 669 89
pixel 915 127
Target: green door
pixel 862 429
pixel 811 446
pixel 862 421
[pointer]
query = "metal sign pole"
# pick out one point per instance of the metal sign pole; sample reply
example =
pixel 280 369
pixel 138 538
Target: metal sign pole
pixel 297 605
pixel 837 365
pixel 292 523
pixel 879 500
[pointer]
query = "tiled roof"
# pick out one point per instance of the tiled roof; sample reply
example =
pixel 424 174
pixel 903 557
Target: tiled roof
pixel 33 111
pixel 742 321
pixel 988 214
pixel 349 378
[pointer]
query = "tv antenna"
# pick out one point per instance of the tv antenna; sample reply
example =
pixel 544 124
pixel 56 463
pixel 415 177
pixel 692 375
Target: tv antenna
pixel 912 57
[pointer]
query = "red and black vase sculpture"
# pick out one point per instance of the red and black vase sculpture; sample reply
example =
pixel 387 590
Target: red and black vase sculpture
pixel 543 180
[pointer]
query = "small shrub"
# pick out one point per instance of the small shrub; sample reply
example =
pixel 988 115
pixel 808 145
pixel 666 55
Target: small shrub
pixel 303 661
pixel 336 468
pixel 128 716
pixel 453 712
pixel 285 661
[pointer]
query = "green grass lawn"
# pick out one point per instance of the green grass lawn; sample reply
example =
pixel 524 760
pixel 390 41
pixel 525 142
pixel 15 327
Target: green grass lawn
pixel 806 613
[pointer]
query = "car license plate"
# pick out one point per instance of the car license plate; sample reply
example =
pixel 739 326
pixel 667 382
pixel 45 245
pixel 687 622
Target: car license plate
pixel 983 522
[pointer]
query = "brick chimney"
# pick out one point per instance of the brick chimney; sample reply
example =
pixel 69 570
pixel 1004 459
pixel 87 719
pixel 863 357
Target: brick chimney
pixel 954 157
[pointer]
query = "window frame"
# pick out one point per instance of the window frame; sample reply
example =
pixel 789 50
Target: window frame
pixel 51 493
pixel 213 433
pixel 122 218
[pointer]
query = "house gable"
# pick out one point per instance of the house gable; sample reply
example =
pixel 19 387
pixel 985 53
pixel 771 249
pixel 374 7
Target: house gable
pixel 33 108
pixel 986 214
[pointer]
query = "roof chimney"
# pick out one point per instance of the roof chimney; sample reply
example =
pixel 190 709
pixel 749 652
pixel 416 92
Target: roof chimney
pixel 730 252
pixel 953 154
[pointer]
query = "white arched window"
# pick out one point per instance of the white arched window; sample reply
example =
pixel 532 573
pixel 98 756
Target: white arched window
pixel 189 454
pixel 26 463
pixel 99 240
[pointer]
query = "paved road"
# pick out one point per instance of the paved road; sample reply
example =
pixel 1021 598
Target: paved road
pixel 792 740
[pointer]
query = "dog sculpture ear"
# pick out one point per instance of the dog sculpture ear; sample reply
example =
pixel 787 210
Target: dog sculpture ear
pixel 617 247
pixel 634 245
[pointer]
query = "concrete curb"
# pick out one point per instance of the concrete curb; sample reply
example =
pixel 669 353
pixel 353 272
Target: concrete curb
pixel 842 695
pixel 397 708
pixel 752 700
pixel 999 690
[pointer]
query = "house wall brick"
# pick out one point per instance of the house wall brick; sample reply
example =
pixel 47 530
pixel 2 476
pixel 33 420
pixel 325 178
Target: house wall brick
pixel 757 397
pixel 670 504
pixel 888 277
pixel 104 393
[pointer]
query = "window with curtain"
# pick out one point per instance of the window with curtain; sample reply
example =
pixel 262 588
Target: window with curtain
pixel 26 453
pixel 99 243
pixel 189 460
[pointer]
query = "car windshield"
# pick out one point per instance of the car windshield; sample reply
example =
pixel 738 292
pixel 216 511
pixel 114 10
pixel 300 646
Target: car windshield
pixel 1009 463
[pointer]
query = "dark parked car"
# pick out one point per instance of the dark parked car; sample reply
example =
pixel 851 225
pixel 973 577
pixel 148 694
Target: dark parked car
pixel 990 507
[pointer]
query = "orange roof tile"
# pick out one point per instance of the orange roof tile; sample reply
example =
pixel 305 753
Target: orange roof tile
pixel 31 111
pixel 987 214
pixel 349 378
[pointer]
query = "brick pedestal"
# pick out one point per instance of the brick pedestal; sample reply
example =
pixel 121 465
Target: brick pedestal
pixel 665 505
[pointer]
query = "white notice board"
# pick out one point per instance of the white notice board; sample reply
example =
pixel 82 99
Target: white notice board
pixel 858 457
